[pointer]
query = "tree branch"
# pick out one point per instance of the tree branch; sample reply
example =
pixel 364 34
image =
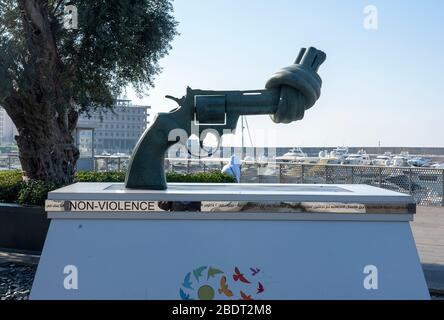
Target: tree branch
pixel 57 6
pixel 48 67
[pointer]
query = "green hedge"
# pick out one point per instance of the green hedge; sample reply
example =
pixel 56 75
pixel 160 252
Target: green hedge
pixel 118 176
pixel 91 176
pixel 10 185
pixel 14 190
pixel 34 193
pixel 200 177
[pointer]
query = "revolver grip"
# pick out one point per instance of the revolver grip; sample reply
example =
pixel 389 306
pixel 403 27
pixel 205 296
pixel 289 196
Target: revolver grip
pixel 146 167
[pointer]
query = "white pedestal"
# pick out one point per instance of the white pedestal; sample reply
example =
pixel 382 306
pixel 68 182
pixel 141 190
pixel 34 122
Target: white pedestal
pixel 177 255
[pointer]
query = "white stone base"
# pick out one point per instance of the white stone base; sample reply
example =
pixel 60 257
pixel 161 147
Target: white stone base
pixel 303 258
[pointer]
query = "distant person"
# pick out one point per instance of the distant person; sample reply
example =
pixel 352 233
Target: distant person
pixel 233 168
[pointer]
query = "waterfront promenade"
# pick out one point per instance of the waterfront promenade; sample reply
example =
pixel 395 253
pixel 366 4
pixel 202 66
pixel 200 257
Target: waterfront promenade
pixel 428 231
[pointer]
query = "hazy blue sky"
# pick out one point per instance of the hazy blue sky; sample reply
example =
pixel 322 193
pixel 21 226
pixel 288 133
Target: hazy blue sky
pixel 378 85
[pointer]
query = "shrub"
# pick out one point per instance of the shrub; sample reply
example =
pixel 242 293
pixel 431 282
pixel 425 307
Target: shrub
pixel 200 177
pixel 91 176
pixel 10 185
pixel 13 189
pixel 116 176
pixel 35 192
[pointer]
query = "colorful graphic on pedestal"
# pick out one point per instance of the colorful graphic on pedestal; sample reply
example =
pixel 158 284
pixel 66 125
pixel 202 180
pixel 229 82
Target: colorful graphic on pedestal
pixel 210 283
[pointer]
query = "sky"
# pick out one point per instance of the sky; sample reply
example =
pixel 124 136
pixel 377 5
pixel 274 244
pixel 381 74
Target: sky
pixel 380 86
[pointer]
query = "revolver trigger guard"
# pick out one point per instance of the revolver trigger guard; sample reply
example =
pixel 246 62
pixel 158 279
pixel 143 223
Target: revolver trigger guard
pixel 177 100
pixel 219 142
pixel 216 134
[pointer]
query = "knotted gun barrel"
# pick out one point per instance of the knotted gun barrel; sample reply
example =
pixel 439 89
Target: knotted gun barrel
pixel 299 84
pixel 287 94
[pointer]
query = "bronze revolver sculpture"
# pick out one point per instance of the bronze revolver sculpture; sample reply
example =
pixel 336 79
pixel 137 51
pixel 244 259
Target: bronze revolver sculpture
pixel 288 93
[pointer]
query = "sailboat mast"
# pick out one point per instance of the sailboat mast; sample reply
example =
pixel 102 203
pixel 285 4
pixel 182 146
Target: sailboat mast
pixel 243 152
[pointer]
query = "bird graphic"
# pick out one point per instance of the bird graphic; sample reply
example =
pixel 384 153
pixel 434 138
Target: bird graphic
pixel 239 276
pixel 224 287
pixel 212 272
pixel 254 271
pixel 187 281
pixel 260 288
pixel 184 296
pixel 244 296
pixel 198 272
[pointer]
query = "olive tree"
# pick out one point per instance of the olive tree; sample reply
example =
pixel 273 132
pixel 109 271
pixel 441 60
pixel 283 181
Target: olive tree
pixel 52 69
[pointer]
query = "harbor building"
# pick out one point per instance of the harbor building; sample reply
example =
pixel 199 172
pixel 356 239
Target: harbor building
pixel 113 131
pixel 7 128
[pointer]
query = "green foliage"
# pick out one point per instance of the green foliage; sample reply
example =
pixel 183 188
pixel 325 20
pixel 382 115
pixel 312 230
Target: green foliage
pixel 35 192
pixel 115 176
pixel 119 42
pixel 200 177
pixel 116 43
pixel 52 71
pixel 10 185
pixel 91 176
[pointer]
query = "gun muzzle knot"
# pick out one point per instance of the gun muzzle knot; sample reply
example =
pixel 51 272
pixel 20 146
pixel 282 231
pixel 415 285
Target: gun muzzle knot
pixel 299 85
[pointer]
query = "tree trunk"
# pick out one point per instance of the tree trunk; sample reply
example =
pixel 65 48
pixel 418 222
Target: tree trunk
pixel 41 107
pixel 47 156
pixel 46 146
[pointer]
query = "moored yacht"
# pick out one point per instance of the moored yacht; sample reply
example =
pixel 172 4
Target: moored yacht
pixel 419 162
pixel 360 158
pixel 382 160
pixel 296 155
pixel 336 156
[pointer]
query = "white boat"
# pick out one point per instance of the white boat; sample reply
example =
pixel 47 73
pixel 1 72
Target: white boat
pixel 263 159
pixel 292 154
pixel 438 165
pixel 248 159
pixel 296 155
pixel 341 153
pixel 419 162
pixel 336 156
pixel 382 160
pixel 358 159
pixel 120 155
pixel 400 161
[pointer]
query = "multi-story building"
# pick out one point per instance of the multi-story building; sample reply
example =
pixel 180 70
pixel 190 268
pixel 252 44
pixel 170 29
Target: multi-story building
pixel 7 128
pixel 2 125
pixel 115 131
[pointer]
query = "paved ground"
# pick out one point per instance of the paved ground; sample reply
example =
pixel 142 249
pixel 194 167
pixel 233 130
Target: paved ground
pixel 17 272
pixel 428 231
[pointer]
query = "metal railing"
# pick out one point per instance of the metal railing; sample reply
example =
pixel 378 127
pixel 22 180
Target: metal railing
pixel 426 185
pixel 110 163
pixel 9 162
